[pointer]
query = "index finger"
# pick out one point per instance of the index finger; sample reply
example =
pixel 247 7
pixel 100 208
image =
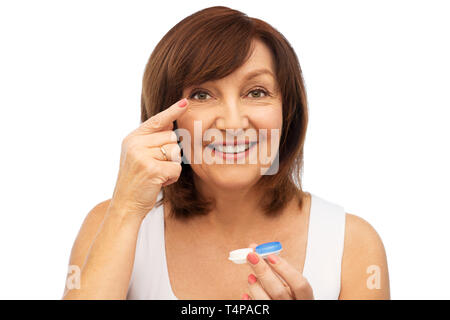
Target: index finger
pixel 165 118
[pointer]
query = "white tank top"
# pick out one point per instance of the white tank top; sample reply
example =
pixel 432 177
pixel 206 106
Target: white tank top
pixel 322 267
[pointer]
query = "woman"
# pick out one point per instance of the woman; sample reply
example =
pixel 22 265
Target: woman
pixel 173 218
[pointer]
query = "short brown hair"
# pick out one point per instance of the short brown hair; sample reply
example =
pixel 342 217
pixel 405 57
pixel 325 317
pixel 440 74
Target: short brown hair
pixel 209 45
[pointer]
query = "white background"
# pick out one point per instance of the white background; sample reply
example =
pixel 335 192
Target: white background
pixel 377 78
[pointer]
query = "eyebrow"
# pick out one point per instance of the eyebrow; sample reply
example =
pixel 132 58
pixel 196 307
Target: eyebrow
pixel 258 72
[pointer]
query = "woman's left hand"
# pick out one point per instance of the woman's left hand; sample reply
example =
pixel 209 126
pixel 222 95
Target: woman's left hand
pixel 275 279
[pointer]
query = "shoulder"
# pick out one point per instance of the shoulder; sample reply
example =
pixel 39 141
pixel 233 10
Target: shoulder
pixel 93 219
pixel 360 235
pixel 364 273
pixel 87 232
pixel 97 213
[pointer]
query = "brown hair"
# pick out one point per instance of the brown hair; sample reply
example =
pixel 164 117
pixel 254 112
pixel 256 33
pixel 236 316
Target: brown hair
pixel 209 45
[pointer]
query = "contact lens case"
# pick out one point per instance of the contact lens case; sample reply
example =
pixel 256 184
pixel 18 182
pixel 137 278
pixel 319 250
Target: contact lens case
pixel 239 256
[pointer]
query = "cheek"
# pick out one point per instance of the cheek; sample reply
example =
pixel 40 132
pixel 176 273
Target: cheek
pixel 267 118
pixel 194 122
pixel 194 118
pixel 271 119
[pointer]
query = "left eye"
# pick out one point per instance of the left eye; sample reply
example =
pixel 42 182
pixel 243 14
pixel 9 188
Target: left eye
pixel 257 93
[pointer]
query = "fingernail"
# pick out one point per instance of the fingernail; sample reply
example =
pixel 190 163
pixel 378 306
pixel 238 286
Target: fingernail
pixel 245 297
pixel 273 258
pixel 253 258
pixel 182 103
pixel 251 279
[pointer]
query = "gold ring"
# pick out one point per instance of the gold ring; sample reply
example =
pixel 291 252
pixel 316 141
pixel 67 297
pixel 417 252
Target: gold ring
pixel 164 153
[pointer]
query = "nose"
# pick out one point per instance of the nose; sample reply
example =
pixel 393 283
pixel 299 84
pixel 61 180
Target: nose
pixel 232 116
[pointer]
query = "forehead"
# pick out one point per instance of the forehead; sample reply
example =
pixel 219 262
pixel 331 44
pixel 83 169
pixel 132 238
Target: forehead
pixel 260 59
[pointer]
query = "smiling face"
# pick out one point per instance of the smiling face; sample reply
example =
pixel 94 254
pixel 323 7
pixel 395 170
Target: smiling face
pixel 236 110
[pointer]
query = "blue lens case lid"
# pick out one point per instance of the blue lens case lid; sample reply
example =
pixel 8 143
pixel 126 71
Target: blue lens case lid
pixel 268 248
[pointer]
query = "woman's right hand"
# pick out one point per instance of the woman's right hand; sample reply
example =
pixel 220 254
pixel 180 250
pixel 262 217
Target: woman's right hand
pixel 143 167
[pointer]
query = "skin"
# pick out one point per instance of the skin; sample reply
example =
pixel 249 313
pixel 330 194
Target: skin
pixel 228 104
pixel 105 246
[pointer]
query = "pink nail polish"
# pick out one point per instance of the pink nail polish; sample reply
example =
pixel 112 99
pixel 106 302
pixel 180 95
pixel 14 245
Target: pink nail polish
pixel 251 279
pixel 245 297
pixel 273 258
pixel 253 258
pixel 182 103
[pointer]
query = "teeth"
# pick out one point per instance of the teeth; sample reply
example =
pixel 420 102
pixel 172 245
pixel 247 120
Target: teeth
pixel 232 149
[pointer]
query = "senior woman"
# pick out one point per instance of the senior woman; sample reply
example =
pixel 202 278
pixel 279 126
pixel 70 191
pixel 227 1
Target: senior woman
pixel 182 203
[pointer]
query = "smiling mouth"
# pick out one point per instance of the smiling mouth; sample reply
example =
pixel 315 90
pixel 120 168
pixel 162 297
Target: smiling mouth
pixel 232 149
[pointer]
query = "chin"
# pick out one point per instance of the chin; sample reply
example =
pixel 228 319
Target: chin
pixel 234 176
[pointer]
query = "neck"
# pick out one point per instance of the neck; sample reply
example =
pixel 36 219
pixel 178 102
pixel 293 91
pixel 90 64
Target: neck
pixel 237 211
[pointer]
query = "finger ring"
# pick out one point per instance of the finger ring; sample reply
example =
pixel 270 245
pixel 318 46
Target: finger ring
pixel 164 153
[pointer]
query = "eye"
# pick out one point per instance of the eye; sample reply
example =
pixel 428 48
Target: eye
pixel 201 95
pixel 256 93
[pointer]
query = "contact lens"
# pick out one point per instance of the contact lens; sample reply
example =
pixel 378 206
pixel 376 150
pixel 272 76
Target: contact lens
pixel 239 256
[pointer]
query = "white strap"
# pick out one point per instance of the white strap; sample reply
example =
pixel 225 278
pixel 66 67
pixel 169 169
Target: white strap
pixel 148 279
pixel 325 246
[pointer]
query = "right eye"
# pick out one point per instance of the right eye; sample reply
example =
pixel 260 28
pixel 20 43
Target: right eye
pixel 201 95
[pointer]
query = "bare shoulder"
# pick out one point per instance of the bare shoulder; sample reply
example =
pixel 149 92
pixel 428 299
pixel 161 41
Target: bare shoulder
pixel 364 273
pixel 87 233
